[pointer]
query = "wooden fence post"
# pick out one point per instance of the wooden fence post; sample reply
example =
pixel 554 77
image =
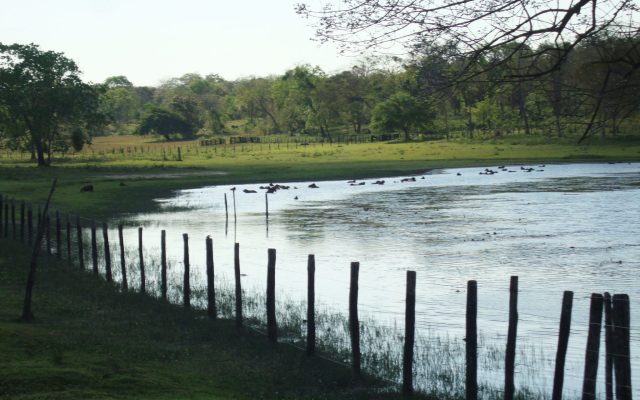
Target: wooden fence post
pixel 47 227
pixel 472 341
pixel 608 347
pixel 272 327
pixel 29 224
pixel 236 268
pixel 14 229
pixel 510 356
pixel 593 347
pixel 235 217
pixel 311 304
pixel 266 207
pixel 186 290
pixel 226 208
pixel 211 290
pixel 143 288
pixel 94 247
pixel 621 350
pixel 80 245
pixel 163 264
pixel 58 236
pixel 123 265
pixel 22 221
pixel 354 323
pixel 107 253
pixel 6 219
pixel 409 334
pixel 563 341
pixel 68 232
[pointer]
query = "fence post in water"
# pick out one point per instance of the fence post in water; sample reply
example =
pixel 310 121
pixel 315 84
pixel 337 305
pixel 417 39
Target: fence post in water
pixel 226 208
pixel 409 334
pixel 107 253
pixel 29 224
pixel 272 327
pixel 235 217
pixel 563 341
pixel 94 247
pixel 186 290
pixel 123 266
pixel 472 341
pixel 211 290
pixel 608 346
pixel 236 269
pixel 80 245
pixel 593 347
pixel 311 304
pixel 266 207
pixel 510 355
pixel 22 220
pixel 354 323
pixel 163 264
pixel 622 353
pixel 58 236
pixel 140 254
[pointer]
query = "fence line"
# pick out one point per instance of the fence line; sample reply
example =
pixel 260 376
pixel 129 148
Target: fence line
pixel 615 308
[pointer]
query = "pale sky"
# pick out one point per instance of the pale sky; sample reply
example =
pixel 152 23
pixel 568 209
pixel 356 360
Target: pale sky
pixel 152 40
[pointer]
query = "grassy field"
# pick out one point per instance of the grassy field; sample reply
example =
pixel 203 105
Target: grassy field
pixel 129 171
pixel 89 342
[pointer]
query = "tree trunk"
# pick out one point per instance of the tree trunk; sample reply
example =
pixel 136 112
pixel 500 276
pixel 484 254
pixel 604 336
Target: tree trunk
pixel 523 110
pixel 40 153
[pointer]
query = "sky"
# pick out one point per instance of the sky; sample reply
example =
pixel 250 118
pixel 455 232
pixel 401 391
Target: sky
pixel 150 41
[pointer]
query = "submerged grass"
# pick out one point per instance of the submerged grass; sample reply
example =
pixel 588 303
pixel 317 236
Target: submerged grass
pixel 439 366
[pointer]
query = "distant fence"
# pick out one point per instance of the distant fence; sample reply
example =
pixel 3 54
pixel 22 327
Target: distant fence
pixel 300 140
pixel 17 223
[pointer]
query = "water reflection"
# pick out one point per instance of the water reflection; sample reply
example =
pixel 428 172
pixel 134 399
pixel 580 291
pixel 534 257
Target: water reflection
pixel 569 227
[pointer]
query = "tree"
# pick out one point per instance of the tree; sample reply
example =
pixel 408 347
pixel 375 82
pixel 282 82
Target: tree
pixel 476 27
pixel 164 122
pixel 44 97
pixel 404 112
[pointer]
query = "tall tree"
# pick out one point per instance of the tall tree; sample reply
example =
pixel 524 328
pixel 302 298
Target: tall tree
pixel 41 91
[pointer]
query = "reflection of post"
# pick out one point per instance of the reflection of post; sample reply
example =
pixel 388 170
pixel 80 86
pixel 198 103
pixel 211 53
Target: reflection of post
pixel 235 217
pixel 226 216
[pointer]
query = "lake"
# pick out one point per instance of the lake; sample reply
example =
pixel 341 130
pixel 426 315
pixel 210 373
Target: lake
pixel 558 227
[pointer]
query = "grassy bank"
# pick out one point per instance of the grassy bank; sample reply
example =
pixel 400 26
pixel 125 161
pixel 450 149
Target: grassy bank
pixel 129 172
pixel 90 342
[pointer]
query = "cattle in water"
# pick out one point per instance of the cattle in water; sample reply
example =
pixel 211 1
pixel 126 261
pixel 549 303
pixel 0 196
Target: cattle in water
pixel 314 186
pixel 378 183
pixel 249 191
pixel 87 188
pixel 412 179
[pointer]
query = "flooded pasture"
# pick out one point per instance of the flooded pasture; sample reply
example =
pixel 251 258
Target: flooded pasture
pixel 558 227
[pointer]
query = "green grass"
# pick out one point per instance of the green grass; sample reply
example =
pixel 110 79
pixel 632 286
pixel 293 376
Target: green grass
pixel 89 341
pixel 150 169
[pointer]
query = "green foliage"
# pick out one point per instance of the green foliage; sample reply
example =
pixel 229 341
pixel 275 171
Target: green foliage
pixel 404 112
pixel 164 122
pixel 43 93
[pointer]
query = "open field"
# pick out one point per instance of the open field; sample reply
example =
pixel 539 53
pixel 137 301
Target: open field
pixel 129 171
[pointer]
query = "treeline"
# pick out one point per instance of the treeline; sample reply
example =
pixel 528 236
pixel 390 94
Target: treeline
pixel 591 91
